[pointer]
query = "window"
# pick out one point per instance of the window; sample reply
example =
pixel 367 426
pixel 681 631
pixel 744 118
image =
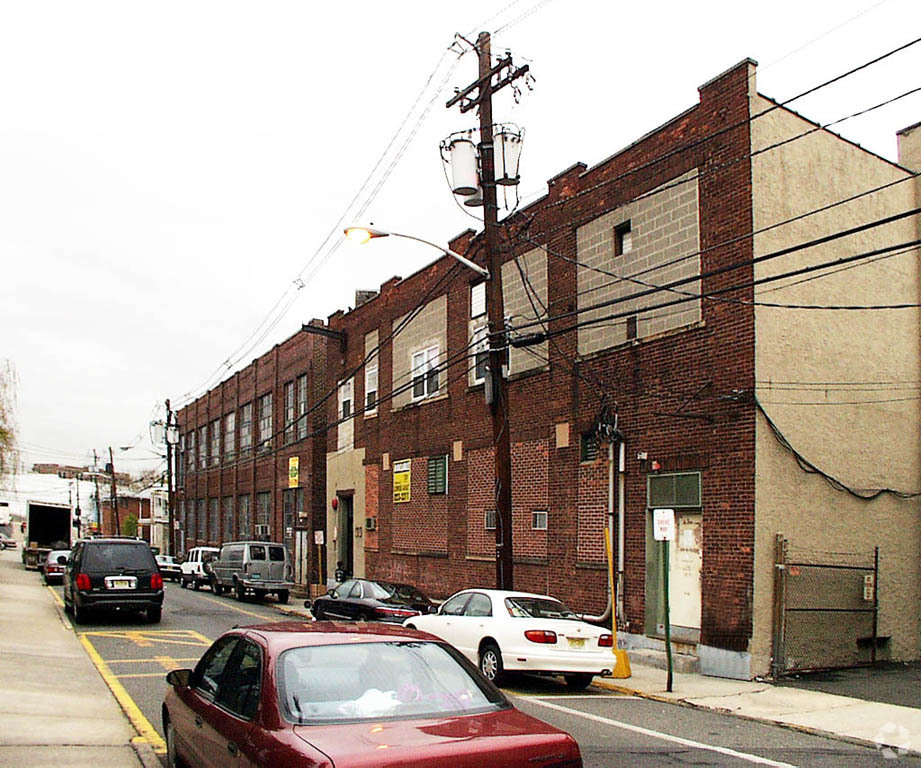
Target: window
pixel 241 681
pixel 265 422
pixel 371 390
pixel 455 606
pixel 345 431
pixel 246 429
pixel 302 407
pixel 292 505
pixel 202 515
pixel 289 412
pixel 489 520
pixel 539 521
pixel 210 670
pixel 245 525
pixel 477 300
pixel 215 442
pixel 438 474
pixel 588 447
pixel 214 519
pixel 263 509
pixel 228 519
pixel 192 449
pixel 202 447
pixel 623 239
pixel 230 433
pixel 481 354
pixel 479 605
pixel 679 489
pixel 425 373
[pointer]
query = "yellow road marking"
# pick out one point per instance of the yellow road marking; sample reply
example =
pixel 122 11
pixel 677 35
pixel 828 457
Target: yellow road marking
pixel 140 723
pixel 138 639
pixel 141 674
pixel 154 660
pixel 169 664
pixel 55 595
pixel 237 608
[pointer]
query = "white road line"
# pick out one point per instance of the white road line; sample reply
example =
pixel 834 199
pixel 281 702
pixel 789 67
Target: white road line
pixel 664 736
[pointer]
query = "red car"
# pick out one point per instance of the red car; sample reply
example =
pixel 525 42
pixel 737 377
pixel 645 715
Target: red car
pixel 336 695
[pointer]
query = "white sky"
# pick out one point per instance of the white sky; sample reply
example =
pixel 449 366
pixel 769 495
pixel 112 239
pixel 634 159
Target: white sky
pixel 168 169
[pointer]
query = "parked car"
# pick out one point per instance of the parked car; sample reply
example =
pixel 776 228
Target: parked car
pixel 6 542
pixel 260 567
pixel 365 600
pixel 114 574
pixel 169 567
pixel 292 694
pixel 522 632
pixel 193 567
pixel 53 567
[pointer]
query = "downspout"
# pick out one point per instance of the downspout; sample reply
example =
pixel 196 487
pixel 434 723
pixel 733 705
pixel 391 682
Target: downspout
pixel 605 616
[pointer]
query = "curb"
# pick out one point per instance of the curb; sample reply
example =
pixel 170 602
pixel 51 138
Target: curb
pixel 603 683
pixel 146 754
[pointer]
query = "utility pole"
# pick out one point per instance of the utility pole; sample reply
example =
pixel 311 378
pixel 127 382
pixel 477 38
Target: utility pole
pixel 169 480
pixel 497 387
pixel 96 486
pixel 118 528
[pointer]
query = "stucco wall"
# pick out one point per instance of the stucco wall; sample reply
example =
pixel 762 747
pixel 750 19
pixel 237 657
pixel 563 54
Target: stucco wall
pixel 427 329
pixel 345 472
pixel 840 385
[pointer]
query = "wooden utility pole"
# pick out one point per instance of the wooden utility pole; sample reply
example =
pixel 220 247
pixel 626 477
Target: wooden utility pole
pixel 169 481
pixel 114 494
pixel 497 387
pixel 96 486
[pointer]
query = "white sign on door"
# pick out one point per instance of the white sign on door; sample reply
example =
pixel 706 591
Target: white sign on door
pixel 663 523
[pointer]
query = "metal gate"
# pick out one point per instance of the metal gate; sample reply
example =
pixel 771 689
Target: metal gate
pixel 826 608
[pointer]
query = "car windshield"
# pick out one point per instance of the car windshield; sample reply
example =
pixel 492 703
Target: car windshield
pixel 538 608
pixel 372 681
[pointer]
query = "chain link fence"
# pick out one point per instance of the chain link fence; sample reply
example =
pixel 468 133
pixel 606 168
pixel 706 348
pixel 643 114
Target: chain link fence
pixel 826 607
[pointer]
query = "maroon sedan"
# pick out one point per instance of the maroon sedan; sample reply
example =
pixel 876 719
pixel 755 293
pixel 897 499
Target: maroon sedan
pixel 343 696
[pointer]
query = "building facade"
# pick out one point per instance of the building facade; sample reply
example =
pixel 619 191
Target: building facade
pixel 251 456
pixel 703 288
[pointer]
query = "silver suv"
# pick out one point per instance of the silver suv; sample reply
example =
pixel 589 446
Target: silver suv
pixel 259 567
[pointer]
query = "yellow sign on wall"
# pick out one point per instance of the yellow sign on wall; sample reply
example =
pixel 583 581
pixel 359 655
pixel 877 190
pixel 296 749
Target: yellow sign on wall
pixel 293 471
pixel 401 481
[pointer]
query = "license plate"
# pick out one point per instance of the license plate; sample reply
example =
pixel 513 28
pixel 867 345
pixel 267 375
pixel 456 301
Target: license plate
pixel 576 642
pixel 121 583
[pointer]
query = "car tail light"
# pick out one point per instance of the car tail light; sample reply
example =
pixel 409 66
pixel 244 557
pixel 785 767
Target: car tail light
pixel 156 581
pixel 606 641
pixel 407 612
pixel 541 636
pixel 83 581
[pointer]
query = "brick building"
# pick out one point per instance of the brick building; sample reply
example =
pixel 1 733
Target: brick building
pixel 251 456
pixel 743 406
pixel 129 505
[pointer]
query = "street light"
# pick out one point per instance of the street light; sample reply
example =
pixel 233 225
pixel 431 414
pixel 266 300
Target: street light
pixel 364 234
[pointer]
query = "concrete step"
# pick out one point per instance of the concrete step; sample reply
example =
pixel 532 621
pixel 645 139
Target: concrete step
pixel 681 662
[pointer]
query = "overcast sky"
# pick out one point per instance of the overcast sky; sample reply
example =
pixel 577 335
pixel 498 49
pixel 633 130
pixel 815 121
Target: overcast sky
pixel 168 170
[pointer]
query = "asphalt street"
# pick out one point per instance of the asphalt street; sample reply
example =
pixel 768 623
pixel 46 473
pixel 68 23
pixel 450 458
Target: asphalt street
pixel 611 729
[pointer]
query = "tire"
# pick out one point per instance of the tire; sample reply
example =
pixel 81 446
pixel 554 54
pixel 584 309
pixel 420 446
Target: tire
pixel 491 663
pixel 183 583
pixel 68 607
pixel 238 591
pixel 317 612
pixel 80 616
pixel 172 758
pixel 260 594
pixel 579 681
pixel 283 596
pixel 154 613
pixel 195 585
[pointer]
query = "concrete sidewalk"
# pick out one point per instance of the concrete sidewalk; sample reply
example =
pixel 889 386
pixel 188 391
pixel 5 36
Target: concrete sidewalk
pixel 55 709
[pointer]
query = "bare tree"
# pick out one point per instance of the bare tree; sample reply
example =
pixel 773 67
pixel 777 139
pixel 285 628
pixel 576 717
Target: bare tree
pixel 8 453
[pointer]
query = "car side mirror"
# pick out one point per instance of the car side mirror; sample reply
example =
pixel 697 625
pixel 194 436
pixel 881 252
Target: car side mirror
pixel 179 678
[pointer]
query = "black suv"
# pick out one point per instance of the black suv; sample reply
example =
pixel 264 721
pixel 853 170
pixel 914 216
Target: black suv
pixel 113 574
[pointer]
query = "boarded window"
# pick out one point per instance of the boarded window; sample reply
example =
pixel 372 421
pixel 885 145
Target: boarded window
pixel 678 489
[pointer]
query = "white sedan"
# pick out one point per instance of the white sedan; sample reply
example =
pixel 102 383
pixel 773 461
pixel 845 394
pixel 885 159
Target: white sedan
pixel 521 632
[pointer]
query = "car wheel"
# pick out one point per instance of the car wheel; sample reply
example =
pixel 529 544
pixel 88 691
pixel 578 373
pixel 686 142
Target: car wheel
pixel 68 607
pixel 195 584
pixel 79 614
pixel 154 613
pixel 238 591
pixel 491 663
pixel 182 582
pixel 260 594
pixel 283 596
pixel 172 758
pixel 580 681
pixel 317 611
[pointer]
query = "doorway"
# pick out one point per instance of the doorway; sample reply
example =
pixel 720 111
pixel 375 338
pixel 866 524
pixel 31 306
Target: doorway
pixel 346 543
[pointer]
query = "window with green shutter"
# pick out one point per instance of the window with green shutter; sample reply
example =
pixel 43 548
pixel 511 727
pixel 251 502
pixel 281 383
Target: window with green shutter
pixel 438 474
